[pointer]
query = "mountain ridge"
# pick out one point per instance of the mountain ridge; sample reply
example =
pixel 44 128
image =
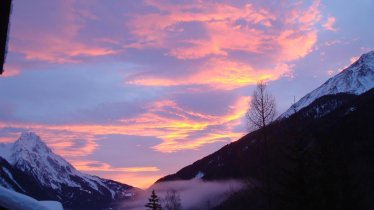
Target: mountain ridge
pixel 355 79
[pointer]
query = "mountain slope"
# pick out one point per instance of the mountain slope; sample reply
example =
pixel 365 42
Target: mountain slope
pixel 6 177
pixel 313 163
pixel 356 79
pixel 50 177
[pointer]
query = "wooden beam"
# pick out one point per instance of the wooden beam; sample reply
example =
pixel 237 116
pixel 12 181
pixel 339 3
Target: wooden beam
pixel 5 8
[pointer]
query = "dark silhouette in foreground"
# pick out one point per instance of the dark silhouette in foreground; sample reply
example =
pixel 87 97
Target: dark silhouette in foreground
pixel 153 202
pixel 321 157
pixel 5 8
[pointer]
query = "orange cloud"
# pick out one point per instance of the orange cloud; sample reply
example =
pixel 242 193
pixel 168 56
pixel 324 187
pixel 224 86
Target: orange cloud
pixel 218 19
pixel 295 45
pixel 178 129
pixel 223 32
pixel 171 141
pixel 140 180
pixel 218 73
pixel 226 28
pixel 141 177
pixel 164 120
pixel 94 166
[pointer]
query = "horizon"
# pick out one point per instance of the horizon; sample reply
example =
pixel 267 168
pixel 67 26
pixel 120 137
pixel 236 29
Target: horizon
pixel 134 91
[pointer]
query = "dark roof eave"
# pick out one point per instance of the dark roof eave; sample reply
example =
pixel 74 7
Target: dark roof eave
pixel 5 10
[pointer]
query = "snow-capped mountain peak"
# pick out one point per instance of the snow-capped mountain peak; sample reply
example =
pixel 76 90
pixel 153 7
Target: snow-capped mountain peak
pixel 367 59
pixel 51 172
pixel 356 79
pixel 30 154
pixel 29 141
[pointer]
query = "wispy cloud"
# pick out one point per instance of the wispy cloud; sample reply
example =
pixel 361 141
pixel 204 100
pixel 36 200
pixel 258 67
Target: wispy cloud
pixel 56 38
pixel 329 24
pixel 163 119
pixel 225 30
pixel 95 166
pixel 216 73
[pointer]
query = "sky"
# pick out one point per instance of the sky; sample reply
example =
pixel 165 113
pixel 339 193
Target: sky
pixel 133 90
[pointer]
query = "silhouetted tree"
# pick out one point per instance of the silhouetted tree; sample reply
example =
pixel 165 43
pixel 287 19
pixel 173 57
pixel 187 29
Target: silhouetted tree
pixel 153 202
pixel 262 109
pixel 172 201
pixel 261 113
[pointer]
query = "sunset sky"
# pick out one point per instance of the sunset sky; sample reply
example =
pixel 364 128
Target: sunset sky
pixel 133 90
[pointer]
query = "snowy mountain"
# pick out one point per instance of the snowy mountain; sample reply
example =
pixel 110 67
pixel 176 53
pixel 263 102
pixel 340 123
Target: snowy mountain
pixel 356 79
pixel 50 177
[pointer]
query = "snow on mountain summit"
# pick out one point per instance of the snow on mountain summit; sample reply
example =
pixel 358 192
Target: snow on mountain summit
pixel 30 154
pixel 52 172
pixel 356 79
pixel 28 143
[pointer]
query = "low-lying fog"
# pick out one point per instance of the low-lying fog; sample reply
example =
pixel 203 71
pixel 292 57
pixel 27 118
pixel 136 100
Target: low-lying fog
pixel 194 194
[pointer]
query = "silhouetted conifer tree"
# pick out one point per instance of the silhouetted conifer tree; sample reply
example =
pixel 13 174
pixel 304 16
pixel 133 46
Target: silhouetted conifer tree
pixel 153 202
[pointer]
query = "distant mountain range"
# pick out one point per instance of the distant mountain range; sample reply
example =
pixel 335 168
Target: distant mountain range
pixel 319 153
pixel 30 167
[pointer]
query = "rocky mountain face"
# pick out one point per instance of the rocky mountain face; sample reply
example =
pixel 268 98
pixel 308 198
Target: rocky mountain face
pixel 28 166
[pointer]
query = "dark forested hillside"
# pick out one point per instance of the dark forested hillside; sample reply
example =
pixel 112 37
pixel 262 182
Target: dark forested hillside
pixel 322 157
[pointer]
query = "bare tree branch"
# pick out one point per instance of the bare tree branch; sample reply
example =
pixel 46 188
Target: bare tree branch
pixel 262 108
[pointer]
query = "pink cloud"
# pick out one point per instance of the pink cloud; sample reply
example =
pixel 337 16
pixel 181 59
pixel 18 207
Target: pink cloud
pixel 164 119
pixel 311 16
pixel 58 50
pixel 295 45
pixel 329 24
pixel 280 36
pixel 218 19
pixel 141 180
pixel 53 36
pixel 217 73
pixel 10 71
pixel 224 33
pixel 226 29
pixel 94 166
